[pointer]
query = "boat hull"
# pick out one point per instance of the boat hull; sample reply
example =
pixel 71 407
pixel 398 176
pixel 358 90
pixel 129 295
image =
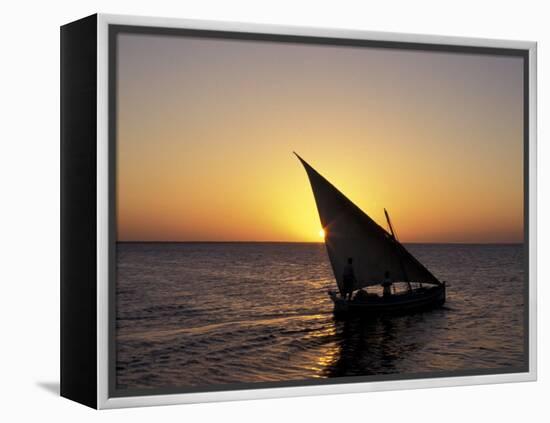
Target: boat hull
pixel 418 300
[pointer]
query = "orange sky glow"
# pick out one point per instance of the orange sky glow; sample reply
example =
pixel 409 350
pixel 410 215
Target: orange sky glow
pixel 206 129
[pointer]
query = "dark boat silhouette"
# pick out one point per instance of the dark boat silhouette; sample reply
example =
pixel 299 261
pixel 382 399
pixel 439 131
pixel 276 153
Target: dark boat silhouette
pixel 377 254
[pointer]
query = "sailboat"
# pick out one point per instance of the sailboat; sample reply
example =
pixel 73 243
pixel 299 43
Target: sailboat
pixel 376 254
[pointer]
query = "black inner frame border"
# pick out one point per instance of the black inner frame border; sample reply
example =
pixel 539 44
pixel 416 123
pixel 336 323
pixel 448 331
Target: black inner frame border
pixel 114 30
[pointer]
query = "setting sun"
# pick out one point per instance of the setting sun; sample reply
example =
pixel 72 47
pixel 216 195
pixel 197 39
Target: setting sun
pixel 322 233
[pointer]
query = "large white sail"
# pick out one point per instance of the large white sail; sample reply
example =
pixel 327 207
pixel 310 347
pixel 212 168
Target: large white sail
pixel 351 233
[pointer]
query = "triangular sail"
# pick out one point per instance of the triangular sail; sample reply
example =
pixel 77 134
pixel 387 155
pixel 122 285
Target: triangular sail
pixel 349 232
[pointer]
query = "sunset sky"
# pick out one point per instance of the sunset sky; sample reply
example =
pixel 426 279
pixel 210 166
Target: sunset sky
pixel 206 129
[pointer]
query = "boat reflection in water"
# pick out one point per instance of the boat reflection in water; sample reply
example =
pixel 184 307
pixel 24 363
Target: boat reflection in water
pixel 370 346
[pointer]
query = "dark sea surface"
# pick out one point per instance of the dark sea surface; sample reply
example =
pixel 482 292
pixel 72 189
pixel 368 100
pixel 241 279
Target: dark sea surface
pixel 195 314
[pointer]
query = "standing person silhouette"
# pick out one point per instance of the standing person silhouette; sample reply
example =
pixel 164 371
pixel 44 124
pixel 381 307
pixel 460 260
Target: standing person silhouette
pixel 348 279
pixel 387 284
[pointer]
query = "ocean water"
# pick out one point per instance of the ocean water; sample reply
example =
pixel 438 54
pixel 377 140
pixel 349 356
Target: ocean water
pixel 196 314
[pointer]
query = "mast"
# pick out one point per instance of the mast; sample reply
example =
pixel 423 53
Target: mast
pixel 390 225
pixel 394 236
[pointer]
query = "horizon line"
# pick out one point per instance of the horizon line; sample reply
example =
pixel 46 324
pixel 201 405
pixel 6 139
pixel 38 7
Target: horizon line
pixel 308 242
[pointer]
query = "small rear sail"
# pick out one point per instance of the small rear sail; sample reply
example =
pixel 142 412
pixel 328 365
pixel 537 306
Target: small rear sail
pixel 351 233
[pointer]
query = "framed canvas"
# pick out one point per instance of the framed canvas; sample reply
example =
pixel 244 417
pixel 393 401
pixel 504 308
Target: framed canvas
pixel 254 211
